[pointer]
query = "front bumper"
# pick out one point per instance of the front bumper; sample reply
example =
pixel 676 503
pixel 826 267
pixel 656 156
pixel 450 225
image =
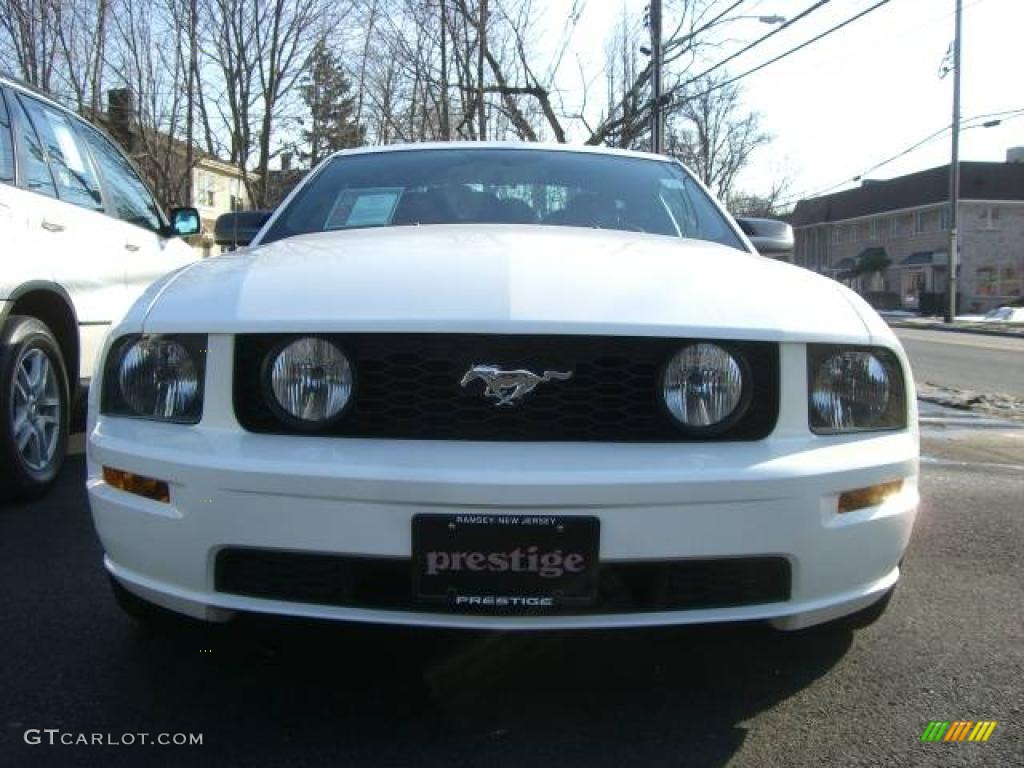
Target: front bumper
pixel 231 489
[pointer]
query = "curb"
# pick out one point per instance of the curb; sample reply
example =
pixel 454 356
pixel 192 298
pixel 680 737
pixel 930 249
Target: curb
pixel 965 412
pixel 953 329
pixel 966 422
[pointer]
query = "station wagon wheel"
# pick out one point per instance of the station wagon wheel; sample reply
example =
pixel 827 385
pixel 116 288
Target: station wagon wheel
pixel 33 408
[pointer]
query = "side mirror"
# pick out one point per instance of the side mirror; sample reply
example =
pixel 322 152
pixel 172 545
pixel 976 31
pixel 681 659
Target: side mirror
pixel 768 235
pixel 185 222
pixel 236 229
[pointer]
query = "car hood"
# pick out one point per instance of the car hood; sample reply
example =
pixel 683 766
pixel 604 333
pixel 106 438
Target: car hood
pixel 504 279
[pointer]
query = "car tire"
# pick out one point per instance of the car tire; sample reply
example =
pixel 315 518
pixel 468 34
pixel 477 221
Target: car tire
pixel 34 409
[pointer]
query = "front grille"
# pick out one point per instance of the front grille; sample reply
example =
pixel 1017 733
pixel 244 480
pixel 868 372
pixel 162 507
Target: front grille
pixel 386 583
pixel 407 386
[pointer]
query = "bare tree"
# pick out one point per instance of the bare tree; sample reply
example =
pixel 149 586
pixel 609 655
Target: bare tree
pixel 284 38
pixel 523 91
pixel 30 38
pixel 623 68
pixel 712 133
pixel 223 75
pixel 149 62
pixel 80 28
pixel 774 202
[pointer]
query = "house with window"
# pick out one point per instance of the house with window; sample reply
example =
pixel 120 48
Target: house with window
pixel 214 186
pixel 890 239
pixel 217 187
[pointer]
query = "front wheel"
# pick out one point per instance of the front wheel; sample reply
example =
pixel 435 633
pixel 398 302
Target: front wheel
pixel 33 409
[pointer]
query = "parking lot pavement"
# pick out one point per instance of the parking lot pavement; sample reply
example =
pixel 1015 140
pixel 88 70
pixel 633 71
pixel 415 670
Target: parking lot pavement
pixel 294 693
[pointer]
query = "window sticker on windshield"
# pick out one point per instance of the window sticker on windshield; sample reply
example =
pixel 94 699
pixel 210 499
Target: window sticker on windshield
pixel 364 207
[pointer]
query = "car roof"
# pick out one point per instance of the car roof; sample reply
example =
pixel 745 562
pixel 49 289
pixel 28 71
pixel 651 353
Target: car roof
pixel 514 145
pixel 30 90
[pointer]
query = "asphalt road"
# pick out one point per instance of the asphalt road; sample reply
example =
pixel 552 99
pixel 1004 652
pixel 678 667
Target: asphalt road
pixel 966 360
pixel 950 647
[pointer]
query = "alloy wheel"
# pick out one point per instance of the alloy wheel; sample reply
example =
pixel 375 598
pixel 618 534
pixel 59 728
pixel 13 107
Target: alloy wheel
pixel 35 410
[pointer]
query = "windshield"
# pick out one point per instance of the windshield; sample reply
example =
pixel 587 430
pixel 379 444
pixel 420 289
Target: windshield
pixel 504 186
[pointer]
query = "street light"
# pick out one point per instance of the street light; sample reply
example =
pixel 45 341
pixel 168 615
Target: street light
pixel 655 52
pixel 776 19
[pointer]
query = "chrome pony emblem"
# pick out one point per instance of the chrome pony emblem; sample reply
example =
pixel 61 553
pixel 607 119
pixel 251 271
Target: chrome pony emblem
pixel 508 387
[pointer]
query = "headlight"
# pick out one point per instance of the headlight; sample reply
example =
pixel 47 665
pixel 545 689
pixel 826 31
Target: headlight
pixel 703 387
pixel 308 382
pixel 854 389
pixel 156 377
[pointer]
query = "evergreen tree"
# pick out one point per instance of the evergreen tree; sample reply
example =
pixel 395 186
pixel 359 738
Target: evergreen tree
pixel 332 123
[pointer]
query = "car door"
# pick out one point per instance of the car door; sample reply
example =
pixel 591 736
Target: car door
pixel 15 268
pixel 134 219
pixel 66 221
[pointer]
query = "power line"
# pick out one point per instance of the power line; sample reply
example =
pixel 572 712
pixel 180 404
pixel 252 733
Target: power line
pixel 844 182
pixel 576 11
pixel 658 53
pixel 803 14
pixel 1007 115
pixel 676 42
pixel 1015 111
pixel 785 54
pixel 944 16
pixel 928 139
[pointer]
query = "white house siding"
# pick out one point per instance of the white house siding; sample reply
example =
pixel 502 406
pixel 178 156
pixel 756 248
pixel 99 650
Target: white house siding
pixel 214 186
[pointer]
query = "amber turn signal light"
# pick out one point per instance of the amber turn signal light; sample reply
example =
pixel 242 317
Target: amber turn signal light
pixel 137 484
pixel 872 496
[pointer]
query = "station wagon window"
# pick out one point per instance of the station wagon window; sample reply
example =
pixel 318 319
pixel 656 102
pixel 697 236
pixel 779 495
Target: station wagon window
pixel 504 186
pixel 34 170
pixel 129 198
pixel 6 145
pixel 69 161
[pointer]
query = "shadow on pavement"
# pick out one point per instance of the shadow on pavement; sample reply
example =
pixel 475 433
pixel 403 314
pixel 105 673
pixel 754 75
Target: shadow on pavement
pixel 295 693
pixel 355 695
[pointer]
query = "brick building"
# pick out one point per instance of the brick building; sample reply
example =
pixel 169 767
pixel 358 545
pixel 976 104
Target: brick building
pixel 905 222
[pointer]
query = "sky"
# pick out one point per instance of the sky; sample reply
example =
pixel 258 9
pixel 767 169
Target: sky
pixel 855 98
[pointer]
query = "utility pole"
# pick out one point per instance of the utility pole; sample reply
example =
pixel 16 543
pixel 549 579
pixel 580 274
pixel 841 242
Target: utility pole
pixel 657 117
pixel 954 176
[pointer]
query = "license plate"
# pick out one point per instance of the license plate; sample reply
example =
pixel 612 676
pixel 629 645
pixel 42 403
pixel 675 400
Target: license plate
pixel 505 563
